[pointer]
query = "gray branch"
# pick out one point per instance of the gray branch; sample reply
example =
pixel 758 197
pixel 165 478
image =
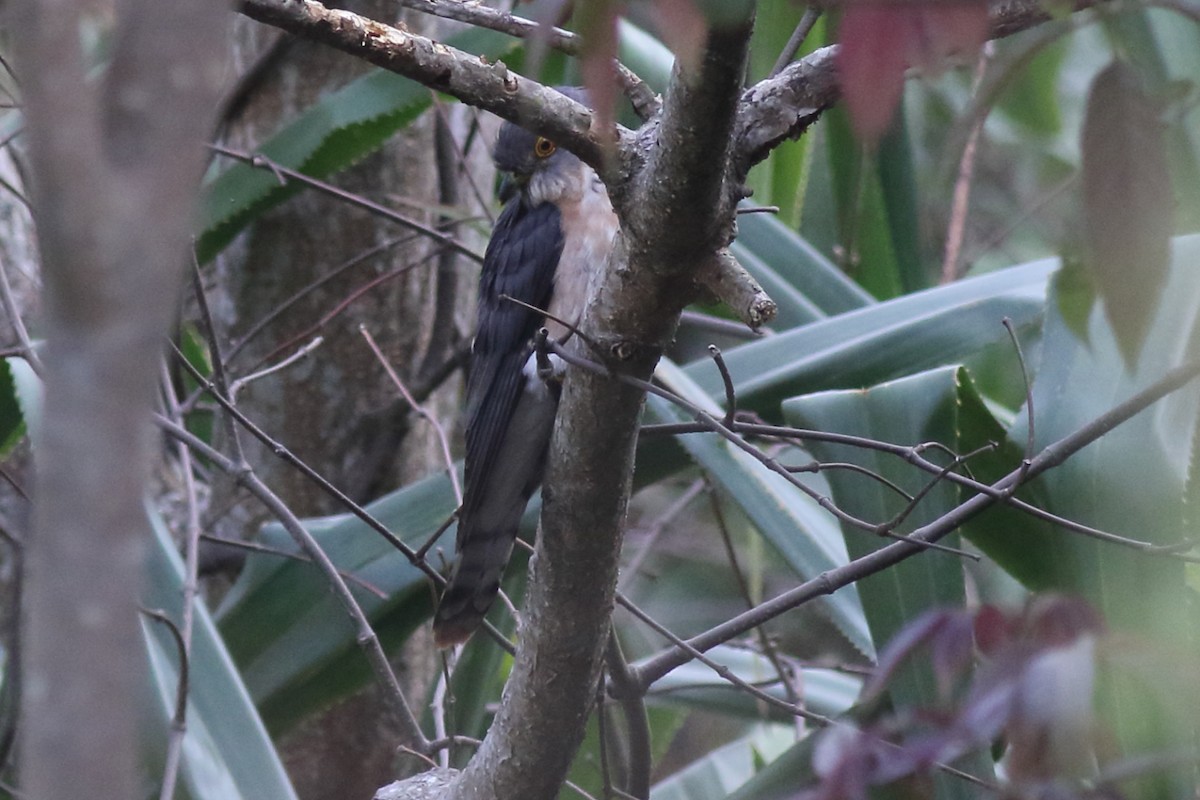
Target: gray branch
pixel 116 162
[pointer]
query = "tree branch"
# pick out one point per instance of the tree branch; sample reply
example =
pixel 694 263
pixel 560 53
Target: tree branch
pixel 115 160
pixel 471 79
pixel 631 318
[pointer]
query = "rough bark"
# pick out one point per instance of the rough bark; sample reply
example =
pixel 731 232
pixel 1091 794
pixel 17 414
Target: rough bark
pixel 337 410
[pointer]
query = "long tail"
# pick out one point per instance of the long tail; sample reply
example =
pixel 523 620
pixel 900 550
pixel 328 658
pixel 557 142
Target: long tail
pixel 486 534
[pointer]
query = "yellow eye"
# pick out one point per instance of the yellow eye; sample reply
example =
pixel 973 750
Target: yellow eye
pixel 543 147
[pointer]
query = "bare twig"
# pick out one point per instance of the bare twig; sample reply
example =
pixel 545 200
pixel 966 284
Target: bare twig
pixel 349 263
pixel 365 634
pixel 262 549
pixel 14 317
pixel 302 352
pixel 420 410
pixel 962 184
pixel 641 96
pixel 803 28
pixel 262 162
pixel 832 580
pixel 633 707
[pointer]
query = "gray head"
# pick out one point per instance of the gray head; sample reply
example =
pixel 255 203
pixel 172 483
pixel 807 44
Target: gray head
pixel 536 165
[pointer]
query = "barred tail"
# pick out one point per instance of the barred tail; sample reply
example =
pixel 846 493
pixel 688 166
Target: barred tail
pixel 492 512
pixel 473 585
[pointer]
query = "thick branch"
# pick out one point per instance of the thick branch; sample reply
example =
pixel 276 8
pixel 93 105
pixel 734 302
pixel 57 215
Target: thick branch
pixel 574 570
pixel 469 78
pixel 683 209
pixel 115 164
pixel 783 106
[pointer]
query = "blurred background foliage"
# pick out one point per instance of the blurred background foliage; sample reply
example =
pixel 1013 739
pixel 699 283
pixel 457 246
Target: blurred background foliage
pixel 881 333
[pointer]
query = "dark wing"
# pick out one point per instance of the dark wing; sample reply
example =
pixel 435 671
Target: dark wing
pixel 520 262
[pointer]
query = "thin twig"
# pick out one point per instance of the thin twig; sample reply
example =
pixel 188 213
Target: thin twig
pixel 633 707
pixel 656 529
pixel 191 585
pixel 262 549
pixel 727 380
pixel 420 410
pixel 966 171
pixel 174 753
pixel 241 382
pixel 262 162
pixel 340 269
pixel 912 455
pixel 834 579
pixel 768 647
pixel 18 324
pixel 365 634
pixel 803 28
pixel 643 99
pixel 715 425
pixel 1030 439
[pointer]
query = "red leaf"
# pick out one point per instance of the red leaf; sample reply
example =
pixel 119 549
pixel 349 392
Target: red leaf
pixel 598 24
pixel 875 41
pixel 992 629
pixel 684 29
pixel 880 39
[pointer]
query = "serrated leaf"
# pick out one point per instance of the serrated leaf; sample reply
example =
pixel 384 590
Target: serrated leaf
pixel 1133 481
pixel 12 422
pixel 1127 203
pixel 292 640
pixel 872 344
pixel 338 131
pixel 914 409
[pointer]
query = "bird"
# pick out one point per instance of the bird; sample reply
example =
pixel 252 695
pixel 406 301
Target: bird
pixel 555 231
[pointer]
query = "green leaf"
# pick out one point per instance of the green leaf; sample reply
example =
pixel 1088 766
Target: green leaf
pixel 920 408
pixel 339 130
pixel 1030 97
pixel 942 325
pixel 714 775
pixel 864 230
pixel 28 390
pixel 915 409
pixel 799 529
pixel 294 643
pixel 898 188
pixel 227 754
pixel 782 778
pixel 12 422
pixel 1127 203
pixel 586 773
pixel 696 686
pixel 1134 481
pixel 801 265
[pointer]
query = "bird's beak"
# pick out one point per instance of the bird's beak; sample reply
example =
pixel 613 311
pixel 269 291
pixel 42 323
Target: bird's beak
pixel 510 184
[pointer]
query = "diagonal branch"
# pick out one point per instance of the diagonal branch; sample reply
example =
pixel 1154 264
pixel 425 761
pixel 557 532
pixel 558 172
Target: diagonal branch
pixel 470 78
pixel 830 581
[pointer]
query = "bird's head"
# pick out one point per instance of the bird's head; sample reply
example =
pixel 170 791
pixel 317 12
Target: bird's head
pixel 534 165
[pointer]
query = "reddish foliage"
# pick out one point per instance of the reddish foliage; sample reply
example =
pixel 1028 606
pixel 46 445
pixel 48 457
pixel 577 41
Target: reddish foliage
pixel 1033 686
pixel 880 39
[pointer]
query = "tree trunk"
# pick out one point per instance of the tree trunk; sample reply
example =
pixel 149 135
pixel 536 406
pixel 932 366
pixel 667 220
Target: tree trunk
pixel 336 409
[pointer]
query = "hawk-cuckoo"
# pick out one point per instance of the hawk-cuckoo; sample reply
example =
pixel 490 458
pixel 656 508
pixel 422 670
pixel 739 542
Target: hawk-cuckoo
pixel 556 229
